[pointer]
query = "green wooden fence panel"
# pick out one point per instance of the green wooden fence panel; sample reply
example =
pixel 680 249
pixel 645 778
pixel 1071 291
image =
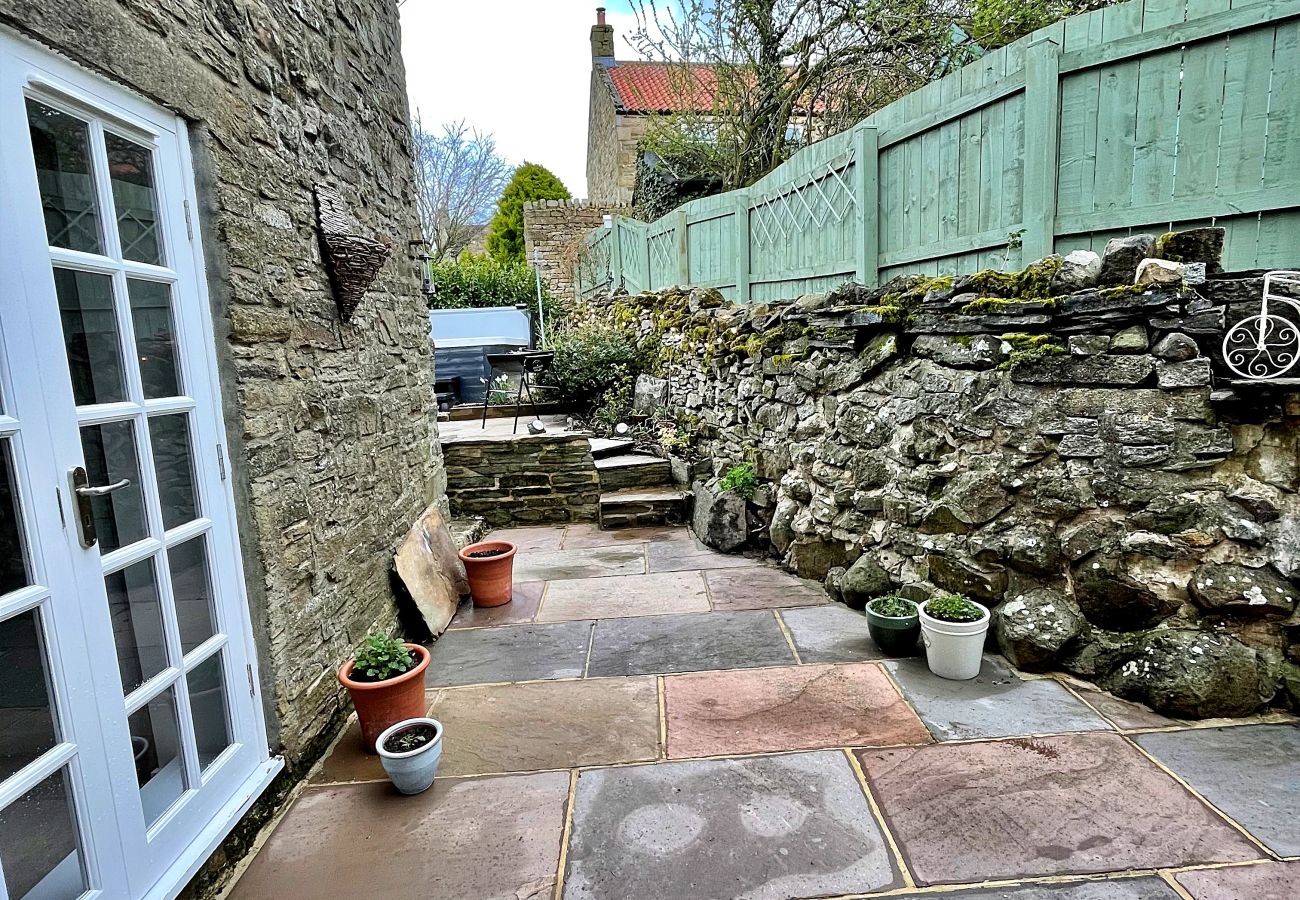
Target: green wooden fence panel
pixel 1146 116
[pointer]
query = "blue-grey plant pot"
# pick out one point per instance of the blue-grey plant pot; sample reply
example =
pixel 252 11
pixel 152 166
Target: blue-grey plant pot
pixel 412 772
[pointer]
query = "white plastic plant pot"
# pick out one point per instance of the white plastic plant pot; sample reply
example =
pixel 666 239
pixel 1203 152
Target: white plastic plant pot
pixel 954 649
pixel 412 771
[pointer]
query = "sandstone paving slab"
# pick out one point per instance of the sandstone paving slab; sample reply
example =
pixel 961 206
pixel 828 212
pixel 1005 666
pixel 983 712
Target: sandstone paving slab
pixel 1123 713
pixel 761 587
pixel 1251 772
pixel 581 535
pixel 765 828
pixel 590 562
pixel 832 633
pixel 628 595
pixel 531 538
pixel 521 608
pixel 1144 888
pixel 508 653
pixel 348 761
pixel 495 838
pixel 684 557
pixel 1262 881
pixel 547 725
pixel 794 708
pixel 1026 807
pixel 996 703
pixel 661 644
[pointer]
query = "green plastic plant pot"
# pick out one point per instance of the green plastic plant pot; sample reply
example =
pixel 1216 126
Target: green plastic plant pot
pixel 895 636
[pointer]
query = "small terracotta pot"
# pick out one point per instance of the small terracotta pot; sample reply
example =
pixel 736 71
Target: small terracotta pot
pixel 491 578
pixel 381 704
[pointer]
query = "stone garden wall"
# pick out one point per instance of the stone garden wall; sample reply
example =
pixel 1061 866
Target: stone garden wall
pixel 556 229
pixel 528 480
pixel 1058 444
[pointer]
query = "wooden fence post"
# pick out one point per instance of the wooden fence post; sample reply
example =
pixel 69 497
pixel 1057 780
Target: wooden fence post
pixel 1042 127
pixel 644 231
pixel 741 238
pixel 615 256
pixel 866 151
pixel 683 250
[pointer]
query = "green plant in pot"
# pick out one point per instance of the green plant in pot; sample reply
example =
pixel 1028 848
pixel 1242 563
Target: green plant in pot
pixel 953 629
pixel 895 624
pixel 386 682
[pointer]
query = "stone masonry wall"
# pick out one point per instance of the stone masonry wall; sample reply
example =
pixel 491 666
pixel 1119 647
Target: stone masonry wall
pixel 333 446
pixel 556 228
pixel 1062 449
pixel 522 479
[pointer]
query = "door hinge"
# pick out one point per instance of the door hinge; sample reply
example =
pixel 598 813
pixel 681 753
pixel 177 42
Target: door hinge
pixel 63 521
pixel 221 461
pixel 189 223
pixel 252 690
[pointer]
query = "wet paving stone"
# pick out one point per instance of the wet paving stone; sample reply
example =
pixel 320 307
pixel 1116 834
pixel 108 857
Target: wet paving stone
pixel 588 534
pixel 832 633
pixel 795 708
pixel 1146 888
pixel 593 562
pixel 682 557
pixel 1072 804
pixel 484 837
pixel 996 703
pixel 508 653
pixel 534 538
pixel 761 587
pixel 766 827
pixel 547 725
pixel 660 644
pixel 1264 881
pixel 631 595
pixel 1251 772
pixel 521 608
pixel 1124 714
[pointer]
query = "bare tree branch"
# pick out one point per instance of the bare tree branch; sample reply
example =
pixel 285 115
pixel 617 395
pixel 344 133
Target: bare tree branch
pixel 459 176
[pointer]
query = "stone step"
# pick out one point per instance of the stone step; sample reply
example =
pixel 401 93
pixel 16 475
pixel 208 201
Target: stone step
pixel 603 447
pixel 644 506
pixel 633 470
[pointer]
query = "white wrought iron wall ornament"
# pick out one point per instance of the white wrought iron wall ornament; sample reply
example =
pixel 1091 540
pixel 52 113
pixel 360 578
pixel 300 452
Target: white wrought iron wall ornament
pixel 1267 345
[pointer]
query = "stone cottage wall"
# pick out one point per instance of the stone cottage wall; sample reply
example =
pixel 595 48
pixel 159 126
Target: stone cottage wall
pixel 556 228
pixel 1076 461
pixel 334 453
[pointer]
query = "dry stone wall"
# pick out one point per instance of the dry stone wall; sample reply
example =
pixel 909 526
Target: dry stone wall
pixel 334 451
pixel 1066 453
pixel 523 479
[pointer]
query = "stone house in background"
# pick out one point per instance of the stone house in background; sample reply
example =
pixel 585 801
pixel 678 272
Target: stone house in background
pixel 204 465
pixel 624 97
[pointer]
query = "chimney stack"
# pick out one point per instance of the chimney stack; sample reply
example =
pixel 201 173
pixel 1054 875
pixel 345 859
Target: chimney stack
pixel 602 37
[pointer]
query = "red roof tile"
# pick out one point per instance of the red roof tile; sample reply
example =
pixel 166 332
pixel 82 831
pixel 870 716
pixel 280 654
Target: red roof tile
pixel 645 87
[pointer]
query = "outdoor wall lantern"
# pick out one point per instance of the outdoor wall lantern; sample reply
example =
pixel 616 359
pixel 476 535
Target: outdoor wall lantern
pixel 353 260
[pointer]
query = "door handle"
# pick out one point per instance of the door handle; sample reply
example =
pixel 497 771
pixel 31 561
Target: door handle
pixel 82 494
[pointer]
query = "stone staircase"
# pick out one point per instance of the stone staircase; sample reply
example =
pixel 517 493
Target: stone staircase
pixel 636 488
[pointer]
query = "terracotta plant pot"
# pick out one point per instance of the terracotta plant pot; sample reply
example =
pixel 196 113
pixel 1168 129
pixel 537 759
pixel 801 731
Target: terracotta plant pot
pixel 381 704
pixel 491 578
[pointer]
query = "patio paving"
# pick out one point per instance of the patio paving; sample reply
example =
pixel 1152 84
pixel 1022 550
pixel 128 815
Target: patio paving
pixel 691 754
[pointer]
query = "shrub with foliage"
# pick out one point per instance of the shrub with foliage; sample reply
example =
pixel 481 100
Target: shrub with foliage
pixel 953 608
pixel 506 230
pixel 741 480
pixel 893 606
pixel 381 657
pixel 477 282
pixel 595 366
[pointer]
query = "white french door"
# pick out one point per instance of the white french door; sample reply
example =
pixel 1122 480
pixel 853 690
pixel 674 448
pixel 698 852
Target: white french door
pixel 131 735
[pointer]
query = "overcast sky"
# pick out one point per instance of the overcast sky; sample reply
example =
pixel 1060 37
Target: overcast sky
pixel 519 69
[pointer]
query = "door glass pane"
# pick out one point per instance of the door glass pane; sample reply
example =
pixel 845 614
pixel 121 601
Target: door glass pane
pixel 130 170
pixel 170 436
pixel 110 456
pixel 39 850
pixel 26 712
pixel 155 342
pixel 136 612
pixel 90 335
pixel 156 747
pixel 13 554
pixel 191 589
pixel 207 686
pixel 61 144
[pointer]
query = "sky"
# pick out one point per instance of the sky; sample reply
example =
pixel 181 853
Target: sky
pixel 519 69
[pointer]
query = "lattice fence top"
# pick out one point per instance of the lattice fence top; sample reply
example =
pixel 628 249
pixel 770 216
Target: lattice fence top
pixel 827 198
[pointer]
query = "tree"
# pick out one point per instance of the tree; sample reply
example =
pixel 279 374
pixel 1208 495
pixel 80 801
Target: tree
pixel 530 182
pixel 785 73
pixel 459 176
pixel 996 23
